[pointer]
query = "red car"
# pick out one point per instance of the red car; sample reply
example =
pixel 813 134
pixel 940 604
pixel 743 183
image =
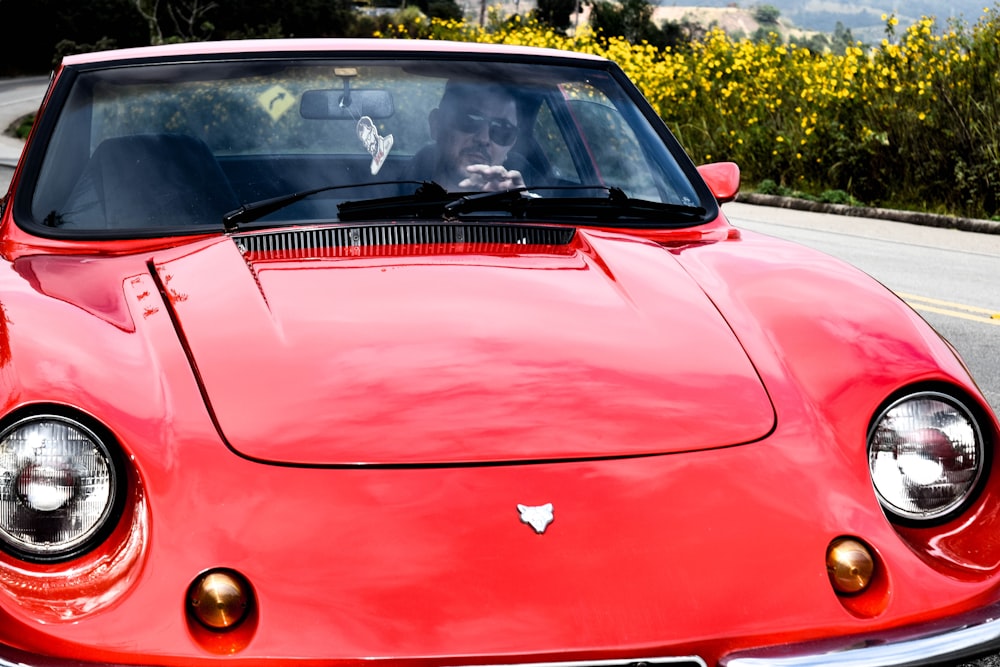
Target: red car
pixel 418 354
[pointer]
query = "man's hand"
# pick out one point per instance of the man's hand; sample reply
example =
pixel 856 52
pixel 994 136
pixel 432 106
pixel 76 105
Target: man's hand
pixel 491 178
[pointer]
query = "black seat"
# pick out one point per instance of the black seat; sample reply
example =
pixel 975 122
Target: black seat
pixel 149 180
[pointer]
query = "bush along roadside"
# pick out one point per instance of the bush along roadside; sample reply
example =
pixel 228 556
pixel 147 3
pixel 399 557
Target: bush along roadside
pixel 21 127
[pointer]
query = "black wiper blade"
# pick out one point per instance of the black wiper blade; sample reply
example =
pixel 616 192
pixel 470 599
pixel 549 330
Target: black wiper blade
pixel 427 201
pixel 513 202
pixel 258 209
pixel 608 205
pixel 613 207
pixel 432 201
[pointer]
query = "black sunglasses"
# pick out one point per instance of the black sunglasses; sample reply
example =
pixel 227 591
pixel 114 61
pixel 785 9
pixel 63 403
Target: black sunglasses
pixel 502 131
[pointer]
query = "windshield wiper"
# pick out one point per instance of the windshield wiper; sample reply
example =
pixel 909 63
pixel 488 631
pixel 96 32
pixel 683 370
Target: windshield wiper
pixel 513 202
pixel 609 205
pixel 433 201
pixel 258 209
pixel 429 200
pixel 613 206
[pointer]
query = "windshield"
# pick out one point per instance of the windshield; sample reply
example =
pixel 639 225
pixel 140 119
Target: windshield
pixel 166 148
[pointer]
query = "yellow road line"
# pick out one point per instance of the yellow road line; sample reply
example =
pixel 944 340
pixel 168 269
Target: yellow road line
pixel 952 309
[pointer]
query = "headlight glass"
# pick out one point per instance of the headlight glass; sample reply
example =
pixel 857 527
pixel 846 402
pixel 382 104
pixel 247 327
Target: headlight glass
pixel 925 455
pixel 58 487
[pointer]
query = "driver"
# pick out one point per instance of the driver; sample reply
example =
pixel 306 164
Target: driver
pixel 473 129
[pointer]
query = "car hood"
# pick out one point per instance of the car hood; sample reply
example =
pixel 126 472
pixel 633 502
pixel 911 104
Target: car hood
pixel 601 347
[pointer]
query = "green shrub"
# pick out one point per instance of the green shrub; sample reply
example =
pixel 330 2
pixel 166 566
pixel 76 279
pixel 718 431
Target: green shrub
pixel 21 127
pixel 839 197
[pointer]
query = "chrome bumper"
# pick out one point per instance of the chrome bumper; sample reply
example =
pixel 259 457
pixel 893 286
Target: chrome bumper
pixel 950 642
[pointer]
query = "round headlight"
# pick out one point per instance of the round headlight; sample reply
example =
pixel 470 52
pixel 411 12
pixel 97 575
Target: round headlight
pixel 58 487
pixel 925 455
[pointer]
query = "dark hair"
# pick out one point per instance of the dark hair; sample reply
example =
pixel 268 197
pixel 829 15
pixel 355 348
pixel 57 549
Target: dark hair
pixel 463 89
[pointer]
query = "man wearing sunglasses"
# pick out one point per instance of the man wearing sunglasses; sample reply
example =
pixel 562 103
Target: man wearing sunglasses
pixel 473 129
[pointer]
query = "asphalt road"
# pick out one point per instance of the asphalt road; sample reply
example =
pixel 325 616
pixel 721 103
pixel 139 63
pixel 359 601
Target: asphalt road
pixel 952 278
pixel 18 97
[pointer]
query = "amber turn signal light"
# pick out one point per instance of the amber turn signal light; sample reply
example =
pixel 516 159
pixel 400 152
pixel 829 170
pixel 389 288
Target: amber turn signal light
pixel 219 599
pixel 850 565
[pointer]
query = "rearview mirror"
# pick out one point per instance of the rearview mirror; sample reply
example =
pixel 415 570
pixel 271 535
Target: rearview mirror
pixel 331 105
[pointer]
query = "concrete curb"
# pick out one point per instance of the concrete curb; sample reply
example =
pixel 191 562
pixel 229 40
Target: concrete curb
pixel 925 219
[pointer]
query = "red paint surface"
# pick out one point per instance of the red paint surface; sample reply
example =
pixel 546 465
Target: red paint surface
pixel 465 357
pixel 695 552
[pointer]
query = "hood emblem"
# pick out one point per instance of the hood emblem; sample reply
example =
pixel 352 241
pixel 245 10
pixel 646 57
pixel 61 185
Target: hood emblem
pixel 538 517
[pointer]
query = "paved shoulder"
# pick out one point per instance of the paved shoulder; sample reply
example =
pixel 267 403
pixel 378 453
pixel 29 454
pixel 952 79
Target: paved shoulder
pixel 874 228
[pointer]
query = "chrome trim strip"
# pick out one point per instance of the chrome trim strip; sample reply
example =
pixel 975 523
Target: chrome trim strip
pixel 625 662
pixel 944 647
pixel 15 658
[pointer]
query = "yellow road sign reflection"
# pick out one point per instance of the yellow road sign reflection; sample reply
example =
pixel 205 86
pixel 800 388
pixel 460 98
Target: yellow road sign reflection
pixel 276 100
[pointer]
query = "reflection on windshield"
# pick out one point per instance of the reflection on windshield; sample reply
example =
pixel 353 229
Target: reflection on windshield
pixel 164 149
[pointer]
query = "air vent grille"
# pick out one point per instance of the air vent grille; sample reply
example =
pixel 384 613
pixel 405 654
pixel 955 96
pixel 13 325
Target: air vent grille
pixel 398 240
